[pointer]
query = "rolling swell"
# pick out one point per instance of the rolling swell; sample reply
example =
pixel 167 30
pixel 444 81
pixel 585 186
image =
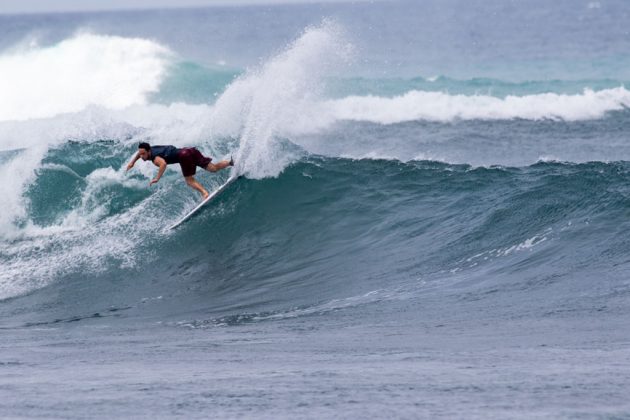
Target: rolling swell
pixel 332 234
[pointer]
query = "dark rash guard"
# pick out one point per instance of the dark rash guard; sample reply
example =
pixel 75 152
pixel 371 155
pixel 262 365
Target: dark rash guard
pixel 168 153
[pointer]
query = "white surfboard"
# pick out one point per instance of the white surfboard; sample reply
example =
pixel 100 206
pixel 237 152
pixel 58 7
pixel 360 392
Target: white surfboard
pixel 212 195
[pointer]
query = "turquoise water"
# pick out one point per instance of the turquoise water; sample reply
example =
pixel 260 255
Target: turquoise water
pixel 431 220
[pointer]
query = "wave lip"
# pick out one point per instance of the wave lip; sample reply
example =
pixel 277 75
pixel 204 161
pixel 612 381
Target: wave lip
pixel 443 107
pixel 88 69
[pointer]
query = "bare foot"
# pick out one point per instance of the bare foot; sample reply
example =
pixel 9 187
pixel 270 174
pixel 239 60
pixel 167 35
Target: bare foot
pixel 205 195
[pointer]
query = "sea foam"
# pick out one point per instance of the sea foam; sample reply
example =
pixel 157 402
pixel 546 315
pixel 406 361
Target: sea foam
pixel 444 107
pixel 87 69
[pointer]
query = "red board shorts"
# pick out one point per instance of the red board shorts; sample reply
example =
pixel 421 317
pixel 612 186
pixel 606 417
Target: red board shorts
pixel 190 158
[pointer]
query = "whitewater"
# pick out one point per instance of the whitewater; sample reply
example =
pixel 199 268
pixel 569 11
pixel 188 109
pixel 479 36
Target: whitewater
pixel 431 220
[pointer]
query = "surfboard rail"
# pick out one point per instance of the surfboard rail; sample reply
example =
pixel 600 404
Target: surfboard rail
pixel 212 195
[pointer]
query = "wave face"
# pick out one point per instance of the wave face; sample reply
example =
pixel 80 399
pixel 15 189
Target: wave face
pixel 402 231
pixel 395 185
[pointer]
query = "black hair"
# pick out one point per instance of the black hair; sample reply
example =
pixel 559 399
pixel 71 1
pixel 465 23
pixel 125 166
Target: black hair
pixel 145 146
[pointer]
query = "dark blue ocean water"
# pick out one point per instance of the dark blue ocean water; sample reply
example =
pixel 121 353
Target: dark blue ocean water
pixel 431 221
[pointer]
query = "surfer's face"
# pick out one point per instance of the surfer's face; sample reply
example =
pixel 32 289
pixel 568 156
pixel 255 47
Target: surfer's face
pixel 144 154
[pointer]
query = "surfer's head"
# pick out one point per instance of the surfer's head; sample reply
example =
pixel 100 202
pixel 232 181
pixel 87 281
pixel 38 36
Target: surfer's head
pixel 144 149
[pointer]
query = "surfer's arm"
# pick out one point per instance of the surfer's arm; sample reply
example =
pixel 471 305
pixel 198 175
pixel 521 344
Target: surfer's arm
pixel 161 163
pixel 133 161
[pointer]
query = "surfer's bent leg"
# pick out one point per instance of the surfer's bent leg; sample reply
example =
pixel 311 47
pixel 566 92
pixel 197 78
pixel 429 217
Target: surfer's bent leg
pixel 188 160
pixel 193 183
pixel 214 167
pixel 192 156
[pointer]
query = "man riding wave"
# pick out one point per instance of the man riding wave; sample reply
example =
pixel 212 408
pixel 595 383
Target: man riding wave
pixel 187 157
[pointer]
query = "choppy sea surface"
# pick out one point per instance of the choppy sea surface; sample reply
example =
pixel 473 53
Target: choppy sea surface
pixel 432 219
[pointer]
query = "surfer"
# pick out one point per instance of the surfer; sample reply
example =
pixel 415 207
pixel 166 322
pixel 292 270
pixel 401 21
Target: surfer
pixel 187 157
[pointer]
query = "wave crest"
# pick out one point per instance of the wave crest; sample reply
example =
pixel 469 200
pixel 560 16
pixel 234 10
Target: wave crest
pixel 109 71
pixel 439 106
